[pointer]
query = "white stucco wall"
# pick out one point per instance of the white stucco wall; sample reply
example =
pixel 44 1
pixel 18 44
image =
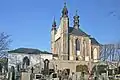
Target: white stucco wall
pixel 14 58
pixel 46 56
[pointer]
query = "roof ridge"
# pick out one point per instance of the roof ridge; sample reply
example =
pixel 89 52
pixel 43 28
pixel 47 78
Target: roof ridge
pixel 28 50
pixel 78 32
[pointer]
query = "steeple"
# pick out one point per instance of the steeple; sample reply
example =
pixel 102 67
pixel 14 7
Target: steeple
pixel 54 24
pixel 76 21
pixel 65 11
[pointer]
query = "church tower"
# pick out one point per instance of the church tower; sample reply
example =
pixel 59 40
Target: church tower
pixel 59 39
pixel 64 33
pixel 53 31
pixel 76 21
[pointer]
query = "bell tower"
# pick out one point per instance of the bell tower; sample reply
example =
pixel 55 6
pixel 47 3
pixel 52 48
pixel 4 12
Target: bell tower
pixel 64 24
pixel 53 32
pixel 76 21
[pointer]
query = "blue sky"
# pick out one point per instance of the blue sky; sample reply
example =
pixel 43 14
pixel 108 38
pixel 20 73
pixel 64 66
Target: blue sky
pixel 29 21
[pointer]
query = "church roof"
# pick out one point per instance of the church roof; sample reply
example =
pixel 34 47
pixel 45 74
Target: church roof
pixel 77 32
pixel 94 41
pixel 28 51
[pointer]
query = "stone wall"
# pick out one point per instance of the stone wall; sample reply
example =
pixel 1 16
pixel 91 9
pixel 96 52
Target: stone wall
pixel 67 64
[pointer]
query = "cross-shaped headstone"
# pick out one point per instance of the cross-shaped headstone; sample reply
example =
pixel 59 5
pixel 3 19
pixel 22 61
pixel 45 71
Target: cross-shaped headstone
pixel 32 69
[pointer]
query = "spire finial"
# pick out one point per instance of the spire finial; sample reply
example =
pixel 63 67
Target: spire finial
pixel 76 12
pixel 65 11
pixel 54 23
pixel 76 20
pixel 54 19
pixel 64 3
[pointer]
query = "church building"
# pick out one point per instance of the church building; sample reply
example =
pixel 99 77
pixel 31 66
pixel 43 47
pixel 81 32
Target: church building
pixel 72 43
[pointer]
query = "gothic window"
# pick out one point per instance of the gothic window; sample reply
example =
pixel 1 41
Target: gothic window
pixel 92 55
pixel 26 61
pixel 87 48
pixel 77 42
pixel 84 49
pixel 95 53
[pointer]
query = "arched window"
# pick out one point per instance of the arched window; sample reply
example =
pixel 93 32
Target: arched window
pixel 84 49
pixel 95 53
pixel 26 61
pixel 92 54
pixel 77 42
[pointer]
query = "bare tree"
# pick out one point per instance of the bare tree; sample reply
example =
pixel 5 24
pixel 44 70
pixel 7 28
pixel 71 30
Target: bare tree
pixel 4 46
pixel 4 43
pixel 110 52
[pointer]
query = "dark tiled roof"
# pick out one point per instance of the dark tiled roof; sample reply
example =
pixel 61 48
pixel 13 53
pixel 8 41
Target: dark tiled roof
pixel 94 41
pixel 28 51
pixel 77 32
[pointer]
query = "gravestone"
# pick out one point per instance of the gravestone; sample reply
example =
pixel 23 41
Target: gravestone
pixel 74 76
pixel 46 67
pixel 26 62
pixel 18 67
pixel 12 73
pixel 25 76
pixel 18 72
pixel 1 68
pixel 32 69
